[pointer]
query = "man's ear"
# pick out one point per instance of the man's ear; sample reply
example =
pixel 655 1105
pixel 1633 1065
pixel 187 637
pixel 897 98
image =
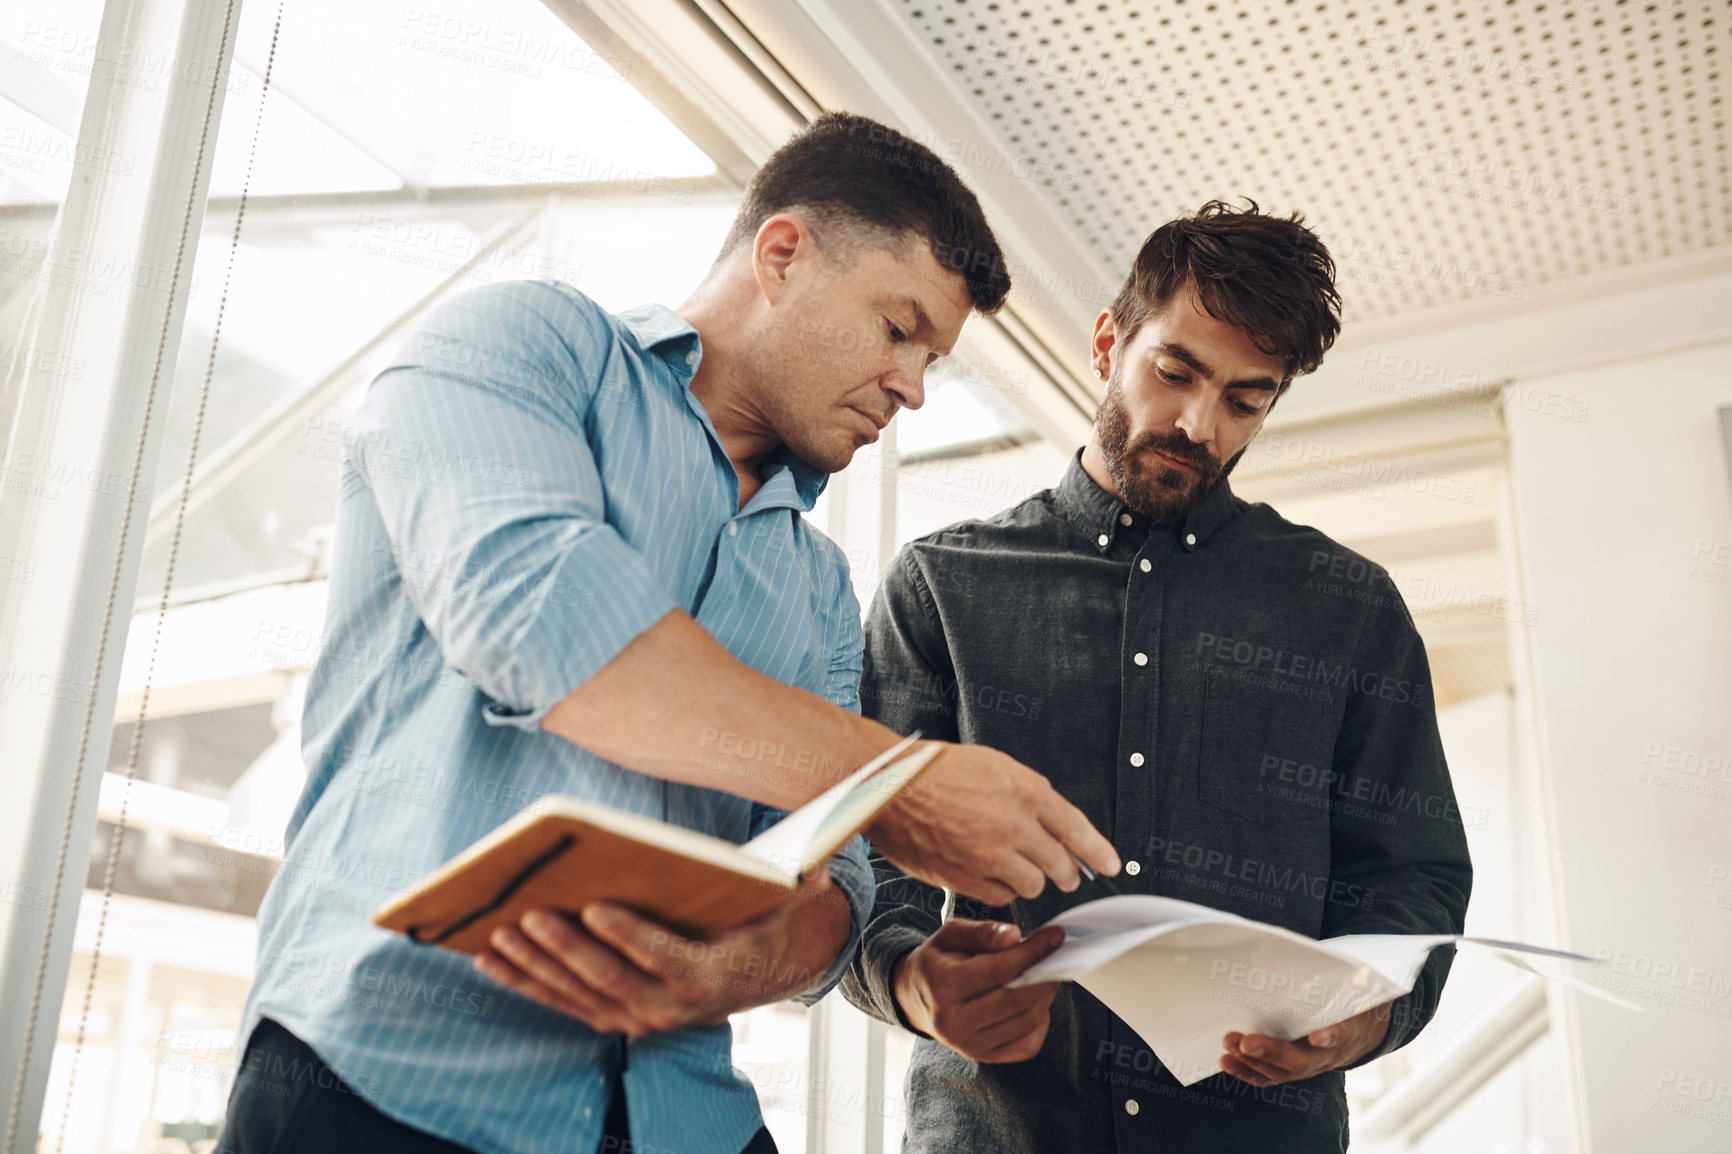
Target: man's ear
pixel 782 241
pixel 1104 342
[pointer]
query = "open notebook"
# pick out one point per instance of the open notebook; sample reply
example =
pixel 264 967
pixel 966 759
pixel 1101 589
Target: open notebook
pixel 1184 975
pixel 566 853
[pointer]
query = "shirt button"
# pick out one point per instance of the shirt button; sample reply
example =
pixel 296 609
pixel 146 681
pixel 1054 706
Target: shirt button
pixel 1133 868
pixel 692 357
pixel 1190 538
pixel 1131 1107
pixel 1101 540
pixel 1124 518
pixel 1141 659
pixel 1144 565
pixel 1136 759
pixel 733 528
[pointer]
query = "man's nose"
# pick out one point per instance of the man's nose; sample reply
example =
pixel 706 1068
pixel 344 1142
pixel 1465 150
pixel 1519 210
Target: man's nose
pixel 907 387
pixel 1197 418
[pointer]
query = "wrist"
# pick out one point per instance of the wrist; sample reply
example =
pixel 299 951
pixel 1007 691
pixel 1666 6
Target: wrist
pixel 903 991
pixel 815 928
pixel 835 913
pixel 1376 1034
pixel 1379 1033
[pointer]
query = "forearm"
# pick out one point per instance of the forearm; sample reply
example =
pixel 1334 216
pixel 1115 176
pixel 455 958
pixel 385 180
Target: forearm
pixel 778 958
pixel 911 1010
pixel 820 928
pixel 674 704
pixel 905 913
pixel 1412 1012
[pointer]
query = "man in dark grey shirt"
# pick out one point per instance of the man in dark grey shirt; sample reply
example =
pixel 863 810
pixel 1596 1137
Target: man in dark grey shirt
pixel 1240 703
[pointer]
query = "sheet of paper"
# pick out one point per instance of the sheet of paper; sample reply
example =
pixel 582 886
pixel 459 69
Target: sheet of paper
pixel 1097 932
pixel 784 844
pixel 861 804
pixel 1214 979
pixel 1184 975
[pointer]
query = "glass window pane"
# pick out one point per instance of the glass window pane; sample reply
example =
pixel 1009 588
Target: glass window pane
pixel 414 156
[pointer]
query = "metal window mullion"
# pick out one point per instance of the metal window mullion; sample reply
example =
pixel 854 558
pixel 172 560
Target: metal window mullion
pixel 117 276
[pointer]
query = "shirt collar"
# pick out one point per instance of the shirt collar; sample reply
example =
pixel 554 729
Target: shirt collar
pixel 789 482
pixel 1097 514
pixel 654 326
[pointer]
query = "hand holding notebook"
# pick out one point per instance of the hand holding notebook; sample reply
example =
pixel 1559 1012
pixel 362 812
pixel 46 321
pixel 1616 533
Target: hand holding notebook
pixel 564 853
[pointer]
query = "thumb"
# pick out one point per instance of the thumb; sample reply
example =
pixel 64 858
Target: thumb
pixel 964 936
pixel 816 881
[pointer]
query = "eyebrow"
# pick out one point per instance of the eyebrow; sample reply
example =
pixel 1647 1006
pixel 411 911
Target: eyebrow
pixel 1180 352
pixel 923 323
pixel 921 320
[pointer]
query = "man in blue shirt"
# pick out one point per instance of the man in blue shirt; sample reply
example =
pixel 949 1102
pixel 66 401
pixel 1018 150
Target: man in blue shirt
pixel 570 557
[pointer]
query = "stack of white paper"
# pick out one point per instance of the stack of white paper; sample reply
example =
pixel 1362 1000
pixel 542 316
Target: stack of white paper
pixel 1184 975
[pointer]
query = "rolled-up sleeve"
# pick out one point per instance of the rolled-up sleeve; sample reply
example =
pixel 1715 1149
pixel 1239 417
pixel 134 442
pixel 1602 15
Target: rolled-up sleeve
pixel 474 446
pixel 849 868
pixel 852 874
pixel 906 672
pixel 1414 869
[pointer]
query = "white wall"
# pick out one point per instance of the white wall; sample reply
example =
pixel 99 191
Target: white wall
pixel 1619 520
pixel 1518 1111
pixel 1619 532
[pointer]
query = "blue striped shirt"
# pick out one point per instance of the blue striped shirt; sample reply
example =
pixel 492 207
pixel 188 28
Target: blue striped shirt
pixel 525 489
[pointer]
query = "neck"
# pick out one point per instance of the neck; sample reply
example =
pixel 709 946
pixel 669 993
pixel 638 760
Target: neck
pixel 1094 463
pixel 722 385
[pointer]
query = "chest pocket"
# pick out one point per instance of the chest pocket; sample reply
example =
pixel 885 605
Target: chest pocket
pixel 1265 756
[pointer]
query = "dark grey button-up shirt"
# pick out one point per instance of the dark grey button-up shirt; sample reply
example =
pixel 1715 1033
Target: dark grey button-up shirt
pixel 1244 707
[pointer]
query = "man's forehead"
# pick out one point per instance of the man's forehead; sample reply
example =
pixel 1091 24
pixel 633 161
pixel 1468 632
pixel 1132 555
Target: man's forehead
pixel 914 287
pixel 920 267
pixel 1224 349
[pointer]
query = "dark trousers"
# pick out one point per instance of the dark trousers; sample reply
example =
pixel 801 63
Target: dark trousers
pixel 287 1101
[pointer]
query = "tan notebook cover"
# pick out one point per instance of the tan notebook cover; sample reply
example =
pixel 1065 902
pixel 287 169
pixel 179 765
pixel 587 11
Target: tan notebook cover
pixel 565 853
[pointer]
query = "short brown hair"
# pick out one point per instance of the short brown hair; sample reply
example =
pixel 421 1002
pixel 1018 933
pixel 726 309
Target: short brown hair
pixel 848 171
pixel 1267 275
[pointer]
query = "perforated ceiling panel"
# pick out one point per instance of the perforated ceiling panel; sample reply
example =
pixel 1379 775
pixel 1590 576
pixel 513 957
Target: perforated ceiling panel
pixel 1445 150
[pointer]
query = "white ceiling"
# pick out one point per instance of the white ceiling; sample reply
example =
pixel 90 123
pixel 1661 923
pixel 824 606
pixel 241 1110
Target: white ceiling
pixel 1446 150
pixel 1451 152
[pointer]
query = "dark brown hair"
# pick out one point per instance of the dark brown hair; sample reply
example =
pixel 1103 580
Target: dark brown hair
pixel 847 171
pixel 1267 275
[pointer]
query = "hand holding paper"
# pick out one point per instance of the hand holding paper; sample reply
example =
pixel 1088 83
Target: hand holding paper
pixel 956 987
pixel 1265 1061
pixel 1185 976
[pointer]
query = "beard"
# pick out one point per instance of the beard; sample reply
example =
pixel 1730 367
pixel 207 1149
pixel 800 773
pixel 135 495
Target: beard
pixel 1147 484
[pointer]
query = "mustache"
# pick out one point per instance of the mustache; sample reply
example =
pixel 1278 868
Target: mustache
pixel 1181 448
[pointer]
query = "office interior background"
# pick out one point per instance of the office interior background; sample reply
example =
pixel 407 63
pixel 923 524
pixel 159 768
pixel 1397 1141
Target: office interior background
pixel 217 217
